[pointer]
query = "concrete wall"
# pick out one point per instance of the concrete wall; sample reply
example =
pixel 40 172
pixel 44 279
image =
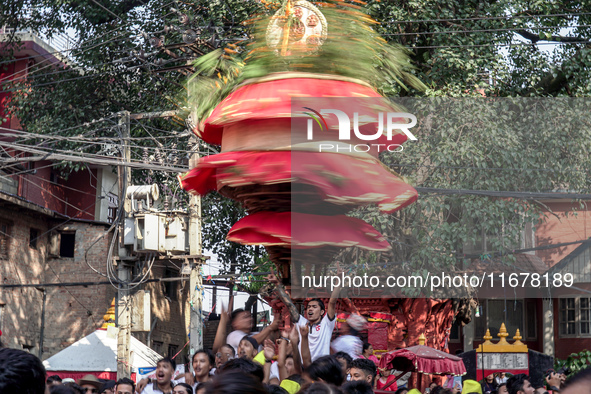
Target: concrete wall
pixel 171 328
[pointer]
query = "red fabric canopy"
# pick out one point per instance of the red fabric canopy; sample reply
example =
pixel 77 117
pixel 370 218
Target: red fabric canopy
pixel 299 230
pixel 271 98
pixel 340 179
pixel 423 359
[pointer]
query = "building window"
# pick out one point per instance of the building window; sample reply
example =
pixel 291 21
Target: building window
pixel 33 235
pixel 497 239
pixel 172 349
pixel 113 207
pixel 575 316
pixel 512 313
pixel 4 239
pixel 170 288
pixel 157 346
pixel 67 244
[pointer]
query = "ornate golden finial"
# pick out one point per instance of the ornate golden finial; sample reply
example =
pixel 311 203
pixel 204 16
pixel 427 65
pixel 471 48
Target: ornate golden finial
pixel 487 337
pixel 517 338
pixel 422 339
pixel 502 334
pixel 109 318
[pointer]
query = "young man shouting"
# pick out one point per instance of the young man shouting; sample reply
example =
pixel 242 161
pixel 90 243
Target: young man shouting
pixel 320 319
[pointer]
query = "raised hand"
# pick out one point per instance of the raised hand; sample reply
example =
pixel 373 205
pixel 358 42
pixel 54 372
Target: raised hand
pixel 269 349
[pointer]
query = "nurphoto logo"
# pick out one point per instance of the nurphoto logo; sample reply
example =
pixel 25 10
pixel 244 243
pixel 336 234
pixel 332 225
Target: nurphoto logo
pixel 394 121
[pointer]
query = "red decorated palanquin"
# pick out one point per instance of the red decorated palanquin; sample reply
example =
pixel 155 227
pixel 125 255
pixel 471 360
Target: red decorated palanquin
pixel 297 196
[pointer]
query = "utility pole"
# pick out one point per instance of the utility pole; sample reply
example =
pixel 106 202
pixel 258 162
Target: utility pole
pixel 196 280
pixel 123 268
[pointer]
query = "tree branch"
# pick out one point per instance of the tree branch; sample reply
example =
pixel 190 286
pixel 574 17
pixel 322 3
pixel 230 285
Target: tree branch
pixel 534 38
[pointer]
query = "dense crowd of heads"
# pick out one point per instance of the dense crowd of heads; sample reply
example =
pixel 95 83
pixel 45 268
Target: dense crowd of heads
pixel 23 373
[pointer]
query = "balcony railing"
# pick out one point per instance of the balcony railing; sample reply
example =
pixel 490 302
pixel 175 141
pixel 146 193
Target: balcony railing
pixel 60 42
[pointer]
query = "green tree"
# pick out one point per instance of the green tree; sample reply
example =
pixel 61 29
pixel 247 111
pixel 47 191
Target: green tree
pixel 128 59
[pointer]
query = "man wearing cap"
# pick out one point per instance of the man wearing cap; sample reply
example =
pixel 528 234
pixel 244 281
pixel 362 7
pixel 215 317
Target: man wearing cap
pixel 248 347
pixel 552 380
pixel 350 342
pixel 108 387
pixel 90 384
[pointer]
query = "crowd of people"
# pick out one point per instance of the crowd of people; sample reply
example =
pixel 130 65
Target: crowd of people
pixel 302 358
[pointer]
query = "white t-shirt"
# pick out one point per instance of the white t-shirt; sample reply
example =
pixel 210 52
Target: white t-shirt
pixel 152 388
pixel 274 371
pixel 234 338
pixel 349 344
pixel 319 336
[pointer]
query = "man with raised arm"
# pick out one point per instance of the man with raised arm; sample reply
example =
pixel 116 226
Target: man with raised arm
pixel 320 320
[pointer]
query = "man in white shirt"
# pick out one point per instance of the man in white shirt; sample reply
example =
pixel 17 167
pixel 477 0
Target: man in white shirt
pixel 321 320
pixel 163 383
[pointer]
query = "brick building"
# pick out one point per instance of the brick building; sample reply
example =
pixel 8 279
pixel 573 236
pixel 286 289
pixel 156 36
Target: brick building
pixel 558 322
pixel 55 231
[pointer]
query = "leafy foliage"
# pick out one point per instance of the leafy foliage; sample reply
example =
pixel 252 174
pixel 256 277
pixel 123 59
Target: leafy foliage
pixel 457 49
pixel 575 362
pixel 352 49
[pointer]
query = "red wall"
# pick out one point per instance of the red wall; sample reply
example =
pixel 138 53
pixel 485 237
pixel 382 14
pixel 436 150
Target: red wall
pixel 74 197
pixel 563 347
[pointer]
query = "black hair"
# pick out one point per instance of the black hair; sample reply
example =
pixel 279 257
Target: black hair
pixel 235 382
pixel 401 390
pixel 366 345
pixel 209 355
pixel 62 389
pixel 168 360
pixel 320 388
pixel 235 314
pixel 274 389
pixel 243 365
pixel 368 366
pixel 53 378
pixel 516 382
pixel 21 372
pixel 75 387
pixel 344 356
pixel 353 331
pixel 437 389
pixel 186 386
pixel 228 346
pixel 328 369
pixel 583 376
pixel 320 303
pixel 357 387
pixel 127 381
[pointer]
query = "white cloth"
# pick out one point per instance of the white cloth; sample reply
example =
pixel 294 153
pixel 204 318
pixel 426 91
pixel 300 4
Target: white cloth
pixel 319 336
pixel 500 380
pixel 349 344
pixel 274 371
pixel 234 338
pixel 152 388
